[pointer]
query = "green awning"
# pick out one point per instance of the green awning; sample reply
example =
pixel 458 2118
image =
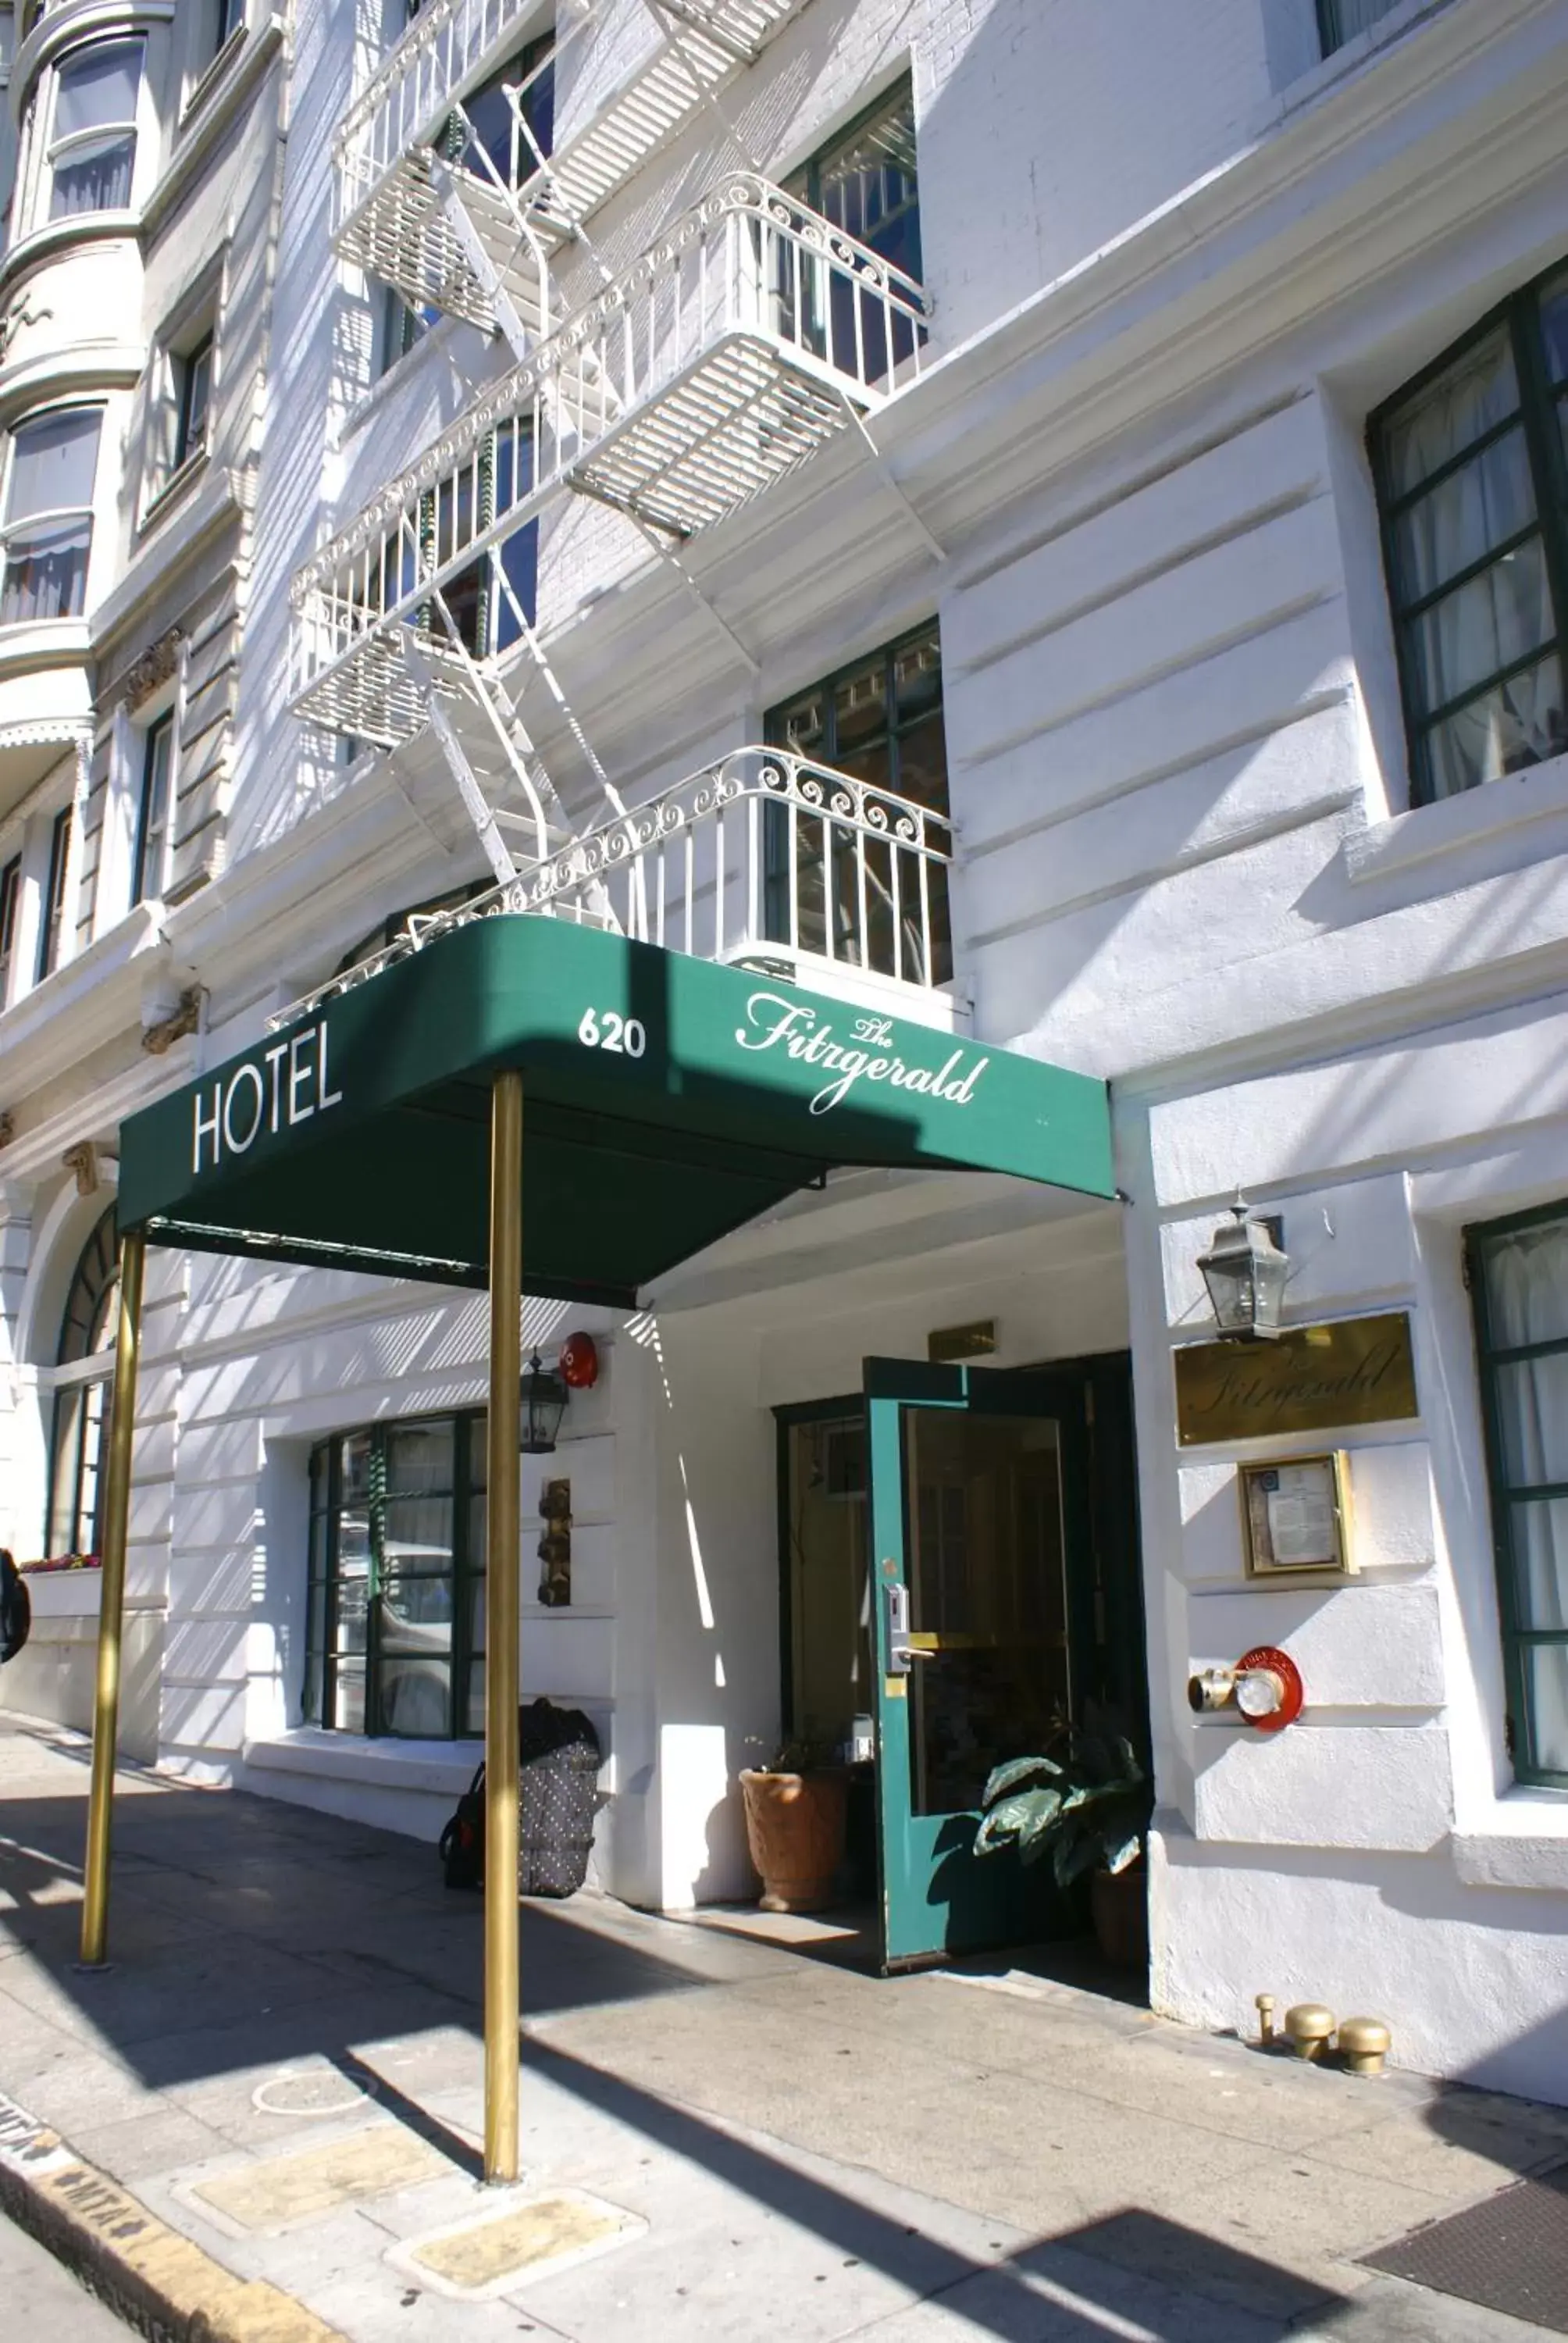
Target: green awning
pixel 667 1101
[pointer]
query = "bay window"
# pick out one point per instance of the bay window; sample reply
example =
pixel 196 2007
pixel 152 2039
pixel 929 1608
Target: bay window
pixel 93 148
pixel 48 526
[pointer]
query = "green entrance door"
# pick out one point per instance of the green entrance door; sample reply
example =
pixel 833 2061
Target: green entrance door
pixel 980 1578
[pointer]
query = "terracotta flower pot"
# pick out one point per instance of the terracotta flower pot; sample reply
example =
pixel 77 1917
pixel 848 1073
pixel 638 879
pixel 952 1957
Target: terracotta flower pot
pixel 795 1828
pixel 1120 1902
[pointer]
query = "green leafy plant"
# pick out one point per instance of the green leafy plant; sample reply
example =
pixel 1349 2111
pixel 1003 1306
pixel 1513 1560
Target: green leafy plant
pixel 1088 1807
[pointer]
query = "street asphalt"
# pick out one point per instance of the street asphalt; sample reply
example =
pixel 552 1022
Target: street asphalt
pixel 44 2303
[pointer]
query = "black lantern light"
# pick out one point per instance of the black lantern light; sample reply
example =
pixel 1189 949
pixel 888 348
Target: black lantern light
pixel 1245 1269
pixel 544 1405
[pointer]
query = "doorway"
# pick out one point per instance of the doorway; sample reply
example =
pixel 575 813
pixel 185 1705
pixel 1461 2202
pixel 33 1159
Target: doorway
pixel 958 1580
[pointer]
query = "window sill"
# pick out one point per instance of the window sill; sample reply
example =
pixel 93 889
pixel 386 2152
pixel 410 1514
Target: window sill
pixel 439 1767
pixel 1476 817
pixel 172 490
pixel 211 78
pixel 52 240
pixel 1520 1841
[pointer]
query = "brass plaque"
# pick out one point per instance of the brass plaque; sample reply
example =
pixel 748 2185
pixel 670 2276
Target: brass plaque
pixel 1314 1379
pixel 949 1344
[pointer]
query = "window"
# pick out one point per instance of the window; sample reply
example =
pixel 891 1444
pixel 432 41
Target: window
pixel 1473 488
pixel 230 17
pixel 395 1619
pixel 81 1398
pixel 192 391
pixel 48 528
pixel 865 182
pixel 10 912
pixel 511 118
pixel 51 934
pixel 1519 1285
pixel 881 722
pixel 1340 21
pixel 486 598
pixel 94 147
pixel 152 813
pixel 402 326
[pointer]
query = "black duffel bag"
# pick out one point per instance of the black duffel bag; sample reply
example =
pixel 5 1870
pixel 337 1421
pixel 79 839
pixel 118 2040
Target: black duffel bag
pixel 558 1785
pixel 558 1754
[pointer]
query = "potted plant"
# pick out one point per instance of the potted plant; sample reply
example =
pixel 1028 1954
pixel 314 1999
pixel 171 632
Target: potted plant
pixel 795 1825
pixel 1087 1806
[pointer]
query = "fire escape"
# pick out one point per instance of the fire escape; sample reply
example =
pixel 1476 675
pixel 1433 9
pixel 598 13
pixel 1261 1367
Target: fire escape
pixel 748 335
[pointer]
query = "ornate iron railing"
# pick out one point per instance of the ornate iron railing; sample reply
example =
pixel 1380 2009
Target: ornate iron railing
pixel 720 360
pixel 761 854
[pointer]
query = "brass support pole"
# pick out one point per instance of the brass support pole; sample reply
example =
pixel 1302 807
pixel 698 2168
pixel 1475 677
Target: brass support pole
pixel 112 1605
pixel 501 1630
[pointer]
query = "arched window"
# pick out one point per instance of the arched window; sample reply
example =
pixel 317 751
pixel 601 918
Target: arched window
pixel 85 1367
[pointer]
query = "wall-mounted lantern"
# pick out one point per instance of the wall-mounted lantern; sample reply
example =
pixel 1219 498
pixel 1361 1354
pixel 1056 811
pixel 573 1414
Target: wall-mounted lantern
pixel 544 1405
pixel 1245 1269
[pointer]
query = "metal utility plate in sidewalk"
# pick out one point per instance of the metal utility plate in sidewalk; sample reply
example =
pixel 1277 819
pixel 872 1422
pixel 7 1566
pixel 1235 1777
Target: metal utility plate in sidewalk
pixel 1509 2253
pixel 532 2237
pixel 285 2192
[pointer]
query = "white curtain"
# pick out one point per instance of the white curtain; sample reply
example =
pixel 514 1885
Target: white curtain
pixel 1498 617
pixel 1527 1299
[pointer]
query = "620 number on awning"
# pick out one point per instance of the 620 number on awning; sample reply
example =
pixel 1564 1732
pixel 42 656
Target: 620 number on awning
pixel 606 1029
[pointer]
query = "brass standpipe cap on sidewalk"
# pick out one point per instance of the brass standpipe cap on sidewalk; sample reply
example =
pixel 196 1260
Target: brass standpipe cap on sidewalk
pixel 1310 2026
pixel 1363 2045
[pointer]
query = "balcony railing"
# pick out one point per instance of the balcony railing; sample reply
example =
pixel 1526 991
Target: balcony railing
pixel 761 857
pixel 721 359
pixel 389 217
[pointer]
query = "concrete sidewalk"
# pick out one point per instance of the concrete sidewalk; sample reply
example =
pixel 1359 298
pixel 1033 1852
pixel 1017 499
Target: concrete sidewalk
pixel 722 2139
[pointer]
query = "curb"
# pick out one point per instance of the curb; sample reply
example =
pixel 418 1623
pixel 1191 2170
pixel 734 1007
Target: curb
pixel 159 2282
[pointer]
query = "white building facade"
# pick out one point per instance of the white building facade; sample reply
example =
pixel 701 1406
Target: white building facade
pixel 1113 459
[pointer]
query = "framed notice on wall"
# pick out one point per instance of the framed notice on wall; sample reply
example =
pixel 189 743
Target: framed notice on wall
pixel 1295 1518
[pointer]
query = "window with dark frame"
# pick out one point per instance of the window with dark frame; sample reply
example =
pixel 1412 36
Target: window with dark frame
pixel 52 932
pixel 152 810
pixel 1340 21
pixel 192 391
pixel 230 17
pixel 88 1323
pixel 881 721
pixel 10 912
pixel 1471 462
pixel 395 1600
pixel 1518 1271
pixel 865 181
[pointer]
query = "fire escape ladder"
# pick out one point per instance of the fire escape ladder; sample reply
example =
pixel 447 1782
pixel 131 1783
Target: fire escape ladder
pixel 494 277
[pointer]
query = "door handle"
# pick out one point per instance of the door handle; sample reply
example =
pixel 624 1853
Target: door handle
pixel 902 1653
